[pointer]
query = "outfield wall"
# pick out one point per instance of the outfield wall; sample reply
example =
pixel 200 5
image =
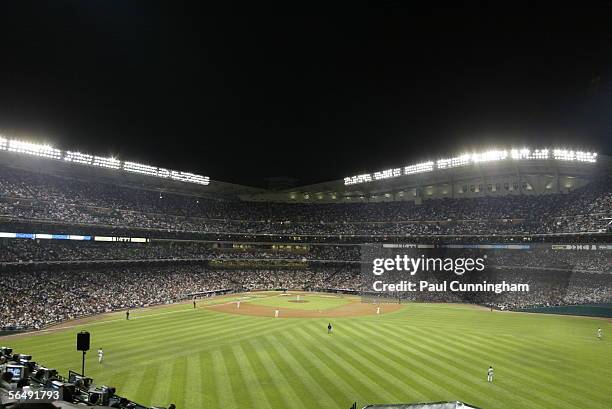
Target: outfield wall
pixel 594 310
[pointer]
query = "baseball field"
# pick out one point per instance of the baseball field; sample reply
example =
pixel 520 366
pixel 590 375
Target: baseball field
pixel 225 355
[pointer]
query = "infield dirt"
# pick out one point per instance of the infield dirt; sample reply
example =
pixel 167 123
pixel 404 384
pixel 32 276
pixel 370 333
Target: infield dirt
pixel 352 309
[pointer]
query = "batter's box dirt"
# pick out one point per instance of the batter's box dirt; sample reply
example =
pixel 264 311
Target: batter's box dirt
pixel 354 309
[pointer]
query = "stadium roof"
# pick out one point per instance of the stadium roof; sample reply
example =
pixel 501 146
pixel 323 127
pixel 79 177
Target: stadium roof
pixel 489 163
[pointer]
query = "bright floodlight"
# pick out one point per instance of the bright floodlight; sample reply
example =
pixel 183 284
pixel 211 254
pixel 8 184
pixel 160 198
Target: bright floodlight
pixel 468 159
pixel 78 157
pixel 110 163
pixel 139 168
pixel 353 180
pixel 419 168
pixel 189 177
pixel 386 174
pixel 570 155
pixel 47 151
pixel 489 156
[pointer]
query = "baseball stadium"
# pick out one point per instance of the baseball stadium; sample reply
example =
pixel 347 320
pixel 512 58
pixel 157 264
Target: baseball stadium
pixel 129 285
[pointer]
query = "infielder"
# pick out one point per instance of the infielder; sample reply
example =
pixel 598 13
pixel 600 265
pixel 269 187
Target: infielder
pixel 276 313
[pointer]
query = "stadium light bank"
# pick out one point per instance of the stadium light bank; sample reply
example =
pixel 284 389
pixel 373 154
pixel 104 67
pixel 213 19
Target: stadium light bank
pixel 475 158
pixel 49 152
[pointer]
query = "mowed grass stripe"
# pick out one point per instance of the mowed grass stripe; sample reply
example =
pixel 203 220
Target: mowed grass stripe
pixel 187 340
pixel 128 381
pixel 250 379
pixel 511 389
pixel 294 378
pixel 146 386
pixel 541 362
pixel 314 382
pixel 428 371
pixel 161 387
pixel 239 387
pixel 387 370
pixel 527 358
pixel 469 362
pixel 194 393
pixel 331 382
pixel 366 348
pixel 429 351
pixel 178 386
pixel 338 374
pixel 123 329
pixel 172 331
pixel 291 398
pixel 520 368
pixel 225 393
pixel 588 351
pixel 378 385
pixel 264 377
pixel 207 381
pixel 169 329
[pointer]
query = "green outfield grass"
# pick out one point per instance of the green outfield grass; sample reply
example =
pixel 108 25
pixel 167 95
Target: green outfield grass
pixel 199 358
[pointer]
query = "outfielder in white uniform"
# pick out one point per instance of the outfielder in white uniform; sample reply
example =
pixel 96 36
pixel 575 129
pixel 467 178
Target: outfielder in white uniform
pixel 599 333
pixel 490 374
pixel 100 355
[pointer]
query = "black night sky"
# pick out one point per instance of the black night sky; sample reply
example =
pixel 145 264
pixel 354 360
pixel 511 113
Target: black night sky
pixel 241 97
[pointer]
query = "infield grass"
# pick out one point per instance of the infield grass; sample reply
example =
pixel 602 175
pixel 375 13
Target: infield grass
pixel 307 301
pixel 198 358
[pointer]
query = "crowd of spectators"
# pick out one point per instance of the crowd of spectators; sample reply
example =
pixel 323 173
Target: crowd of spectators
pixel 42 251
pixel 544 257
pixel 33 196
pixel 31 300
pixel 27 250
pixel 34 299
pixel 41 295
pixel 548 289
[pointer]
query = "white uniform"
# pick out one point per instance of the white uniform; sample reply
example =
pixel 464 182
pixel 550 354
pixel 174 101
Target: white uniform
pixel 377 310
pixel 238 305
pixel 100 355
pixel 490 375
pixel 276 313
pixel 599 333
